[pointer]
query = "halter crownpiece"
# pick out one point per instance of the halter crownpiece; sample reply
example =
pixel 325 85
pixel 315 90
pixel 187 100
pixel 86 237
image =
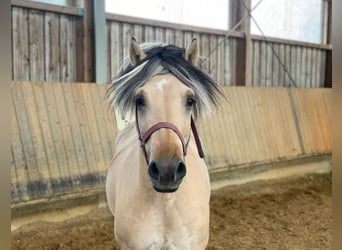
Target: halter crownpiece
pixel 146 136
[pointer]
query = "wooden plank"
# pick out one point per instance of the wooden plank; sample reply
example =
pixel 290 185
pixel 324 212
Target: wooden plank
pixel 36 45
pixel 149 34
pixel 20 44
pixel 160 35
pixel 322 65
pixel 116 48
pixel 75 125
pixel 287 81
pixel 170 36
pixel 308 68
pixel 167 25
pixel 298 65
pixel 303 68
pixel 105 128
pixel 269 65
pixel 293 68
pixel 281 55
pixel 204 52
pixel 46 131
pixel 263 57
pixel 52 56
pixel 220 62
pixel 127 34
pixel 314 68
pixel 109 52
pixel 64 40
pixel 233 53
pixel 292 42
pixel 17 151
pixel 318 68
pixel 67 10
pixel 72 169
pixel 213 57
pixel 275 75
pixel 256 63
pixel 179 38
pixel 139 33
pixel 227 62
pixel 188 36
pixel 84 130
pixel 88 41
pixel 55 123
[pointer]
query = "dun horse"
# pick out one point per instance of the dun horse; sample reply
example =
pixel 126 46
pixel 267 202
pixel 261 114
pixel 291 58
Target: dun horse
pixel 158 186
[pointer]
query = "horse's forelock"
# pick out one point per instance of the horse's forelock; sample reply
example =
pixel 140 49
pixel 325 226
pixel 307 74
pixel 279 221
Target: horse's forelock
pixel 162 59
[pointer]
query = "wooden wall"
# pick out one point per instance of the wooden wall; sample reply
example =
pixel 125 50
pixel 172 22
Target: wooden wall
pixel 63 134
pixel 62 139
pixel 47 46
pixel 305 64
pixel 43 45
pixel 216 55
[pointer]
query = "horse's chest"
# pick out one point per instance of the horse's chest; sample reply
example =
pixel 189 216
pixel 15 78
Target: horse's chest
pixel 159 227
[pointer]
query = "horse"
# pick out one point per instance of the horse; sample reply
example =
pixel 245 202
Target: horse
pixel 157 186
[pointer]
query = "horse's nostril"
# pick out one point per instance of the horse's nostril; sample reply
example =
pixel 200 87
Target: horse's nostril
pixel 181 170
pixel 153 170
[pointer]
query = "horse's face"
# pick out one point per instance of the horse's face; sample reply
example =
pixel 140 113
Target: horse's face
pixel 165 99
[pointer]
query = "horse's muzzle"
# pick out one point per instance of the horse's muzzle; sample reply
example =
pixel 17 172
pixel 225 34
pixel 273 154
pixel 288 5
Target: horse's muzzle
pixel 166 176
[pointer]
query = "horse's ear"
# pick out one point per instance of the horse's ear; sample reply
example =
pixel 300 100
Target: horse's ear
pixel 135 52
pixel 192 52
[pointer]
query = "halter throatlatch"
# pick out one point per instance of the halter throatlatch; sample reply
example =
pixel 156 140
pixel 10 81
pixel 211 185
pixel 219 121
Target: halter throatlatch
pixel 146 136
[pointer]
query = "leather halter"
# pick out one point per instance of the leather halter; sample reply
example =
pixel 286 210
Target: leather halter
pixel 146 136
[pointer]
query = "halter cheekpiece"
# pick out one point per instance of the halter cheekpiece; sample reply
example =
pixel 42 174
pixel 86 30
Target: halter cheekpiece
pixel 146 136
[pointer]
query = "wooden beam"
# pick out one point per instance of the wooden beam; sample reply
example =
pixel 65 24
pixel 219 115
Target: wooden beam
pixel 328 62
pixel 100 42
pixel 85 49
pixel 67 10
pixel 244 46
pixel 168 25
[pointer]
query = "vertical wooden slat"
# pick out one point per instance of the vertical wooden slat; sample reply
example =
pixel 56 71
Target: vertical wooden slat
pixel 109 51
pixel 293 69
pixel 160 35
pixel 298 66
pixel 213 57
pixel 314 68
pixel 287 65
pixel 227 62
pixel 205 50
pixel 179 38
pixel 256 63
pixel 36 44
pixel 303 68
pixel 281 55
pixel 170 36
pixel 116 52
pixel 187 39
pixel 275 73
pixel 127 34
pixel 138 33
pixel 64 40
pixel 20 44
pixel 220 62
pixel 263 66
pixel 269 65
pixel 52 59
pixel 149 34
pixel 308 68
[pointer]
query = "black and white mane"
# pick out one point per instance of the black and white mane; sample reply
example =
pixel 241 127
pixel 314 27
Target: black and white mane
pixel 162 59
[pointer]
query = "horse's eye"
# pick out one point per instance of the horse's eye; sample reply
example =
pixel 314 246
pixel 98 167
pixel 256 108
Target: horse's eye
pixel 190 101
pixel 139 101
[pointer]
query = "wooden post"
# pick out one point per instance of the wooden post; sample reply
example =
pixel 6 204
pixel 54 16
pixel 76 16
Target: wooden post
pixel 243 59
pixel 328 61
pixel 100 41
pixel 85 49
